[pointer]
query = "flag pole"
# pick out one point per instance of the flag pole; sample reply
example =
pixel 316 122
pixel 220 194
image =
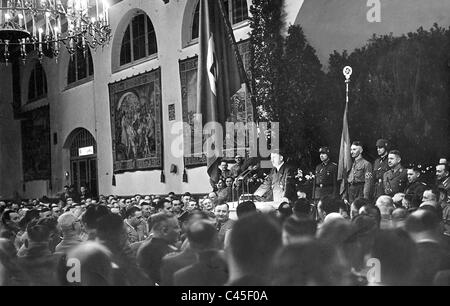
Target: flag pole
pixel 344 154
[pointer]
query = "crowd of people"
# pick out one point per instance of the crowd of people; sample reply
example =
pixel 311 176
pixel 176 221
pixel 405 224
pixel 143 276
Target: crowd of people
pixel 397 234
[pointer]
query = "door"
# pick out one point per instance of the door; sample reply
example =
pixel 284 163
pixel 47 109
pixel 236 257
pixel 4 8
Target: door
pixel 84 173
pixel 83 162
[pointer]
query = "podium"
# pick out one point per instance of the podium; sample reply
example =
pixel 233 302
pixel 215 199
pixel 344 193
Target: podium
pixel 264 207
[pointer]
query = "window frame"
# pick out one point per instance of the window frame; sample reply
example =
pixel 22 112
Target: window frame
pixel 194 40
pixel 74 59
pixel 33 75
pixel 146 35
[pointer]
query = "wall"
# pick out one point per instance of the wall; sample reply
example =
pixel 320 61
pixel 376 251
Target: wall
pixel 87 106
pixel 10 144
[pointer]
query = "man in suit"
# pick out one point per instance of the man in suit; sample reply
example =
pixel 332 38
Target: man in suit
pixel 211 267
pixel 325 180
pixel 360 176
pixel 380 167
pixel 279 184
pixel 166 232
pixel 396 178
pixel 254 242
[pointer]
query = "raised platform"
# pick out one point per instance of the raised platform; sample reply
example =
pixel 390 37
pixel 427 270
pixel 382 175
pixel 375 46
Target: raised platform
pixel 264 207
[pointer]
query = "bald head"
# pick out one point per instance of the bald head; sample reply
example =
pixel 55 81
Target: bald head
pixel 385 204
pixel 68 223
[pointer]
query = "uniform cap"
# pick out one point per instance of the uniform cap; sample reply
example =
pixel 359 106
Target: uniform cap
pixel 324 150
pixel 382 143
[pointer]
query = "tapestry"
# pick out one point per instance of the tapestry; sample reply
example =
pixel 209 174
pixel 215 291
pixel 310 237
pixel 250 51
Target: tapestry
pixel 136 123
pixel 36 158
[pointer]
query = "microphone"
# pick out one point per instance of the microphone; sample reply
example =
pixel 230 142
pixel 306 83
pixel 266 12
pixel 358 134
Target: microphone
pixel 244 175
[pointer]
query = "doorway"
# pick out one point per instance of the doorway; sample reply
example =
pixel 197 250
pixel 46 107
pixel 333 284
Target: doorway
pixel 83 162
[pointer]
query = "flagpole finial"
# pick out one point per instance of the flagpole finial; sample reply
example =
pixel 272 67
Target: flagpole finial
pixel 348 72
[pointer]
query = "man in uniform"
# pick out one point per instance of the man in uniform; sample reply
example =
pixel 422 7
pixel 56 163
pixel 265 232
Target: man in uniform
pixel 380 167
pixel 360 176
pixel 396 178
pixel 325 180
pixel 237 168
pixel 442 176
pixel 415 187
pixel 279 184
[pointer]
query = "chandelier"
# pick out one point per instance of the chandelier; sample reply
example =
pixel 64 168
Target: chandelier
pixel 44 26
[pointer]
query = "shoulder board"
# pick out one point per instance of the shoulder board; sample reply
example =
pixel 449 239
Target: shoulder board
pixel 423 183
pixel 334 164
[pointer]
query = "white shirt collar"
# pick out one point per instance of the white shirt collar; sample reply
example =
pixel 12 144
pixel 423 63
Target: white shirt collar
pixel 279 167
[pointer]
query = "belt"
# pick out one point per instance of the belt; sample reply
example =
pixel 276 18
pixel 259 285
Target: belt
pixel 323 186
pixel 356 183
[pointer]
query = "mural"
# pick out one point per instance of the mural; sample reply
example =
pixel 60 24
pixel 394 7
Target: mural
pixel 136 123
pixel 36 158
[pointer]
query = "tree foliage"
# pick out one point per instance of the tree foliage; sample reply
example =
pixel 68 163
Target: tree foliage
pixel 399 90
pixel 266 49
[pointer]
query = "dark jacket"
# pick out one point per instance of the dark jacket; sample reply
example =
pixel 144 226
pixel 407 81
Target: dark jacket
pixel 380 167
pixel 173 262
pixel 210 270
pixel 416 190
pixel 150 256
pixel 40 265
pixel 325 180
pixel 432 258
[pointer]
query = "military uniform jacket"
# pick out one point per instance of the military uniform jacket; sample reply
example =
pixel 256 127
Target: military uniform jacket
pixel 395 180
pixel 278 184
pixel 361 172
pixel 380 167
pixel 325 180
pixel 416 189
pixel 445 184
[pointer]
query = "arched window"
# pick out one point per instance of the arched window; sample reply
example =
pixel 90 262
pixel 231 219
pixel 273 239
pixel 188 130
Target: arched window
pixel 196 22
pixel 37 86
pixel 80 65
pixel 237 9
pixel 139 40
